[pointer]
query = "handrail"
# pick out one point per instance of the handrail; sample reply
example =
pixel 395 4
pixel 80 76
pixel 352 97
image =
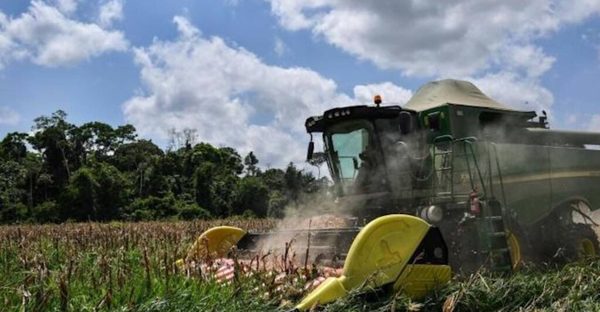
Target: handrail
pixel 467 150
pixel 468 166
pixel 445 136
pixel 470 144
pixel 495 148
pixel 470 139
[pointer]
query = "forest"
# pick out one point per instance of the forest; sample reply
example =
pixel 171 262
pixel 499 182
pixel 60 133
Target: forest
pixel 95 172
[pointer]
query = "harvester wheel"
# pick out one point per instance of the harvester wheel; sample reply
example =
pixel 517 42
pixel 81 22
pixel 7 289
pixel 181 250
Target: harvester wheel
pixel 519 244
pixel 580 242
pixel 515 250
pixel 586 248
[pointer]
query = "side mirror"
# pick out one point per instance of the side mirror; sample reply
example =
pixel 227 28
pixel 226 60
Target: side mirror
pixel 355 163
pixel 406 123
pixel 311 150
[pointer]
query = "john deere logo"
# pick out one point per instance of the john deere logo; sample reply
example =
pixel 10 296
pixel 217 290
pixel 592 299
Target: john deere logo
pixel 388 257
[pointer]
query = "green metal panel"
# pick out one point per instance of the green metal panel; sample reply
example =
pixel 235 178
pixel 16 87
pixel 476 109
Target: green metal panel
pixel 464 120
pixel 575 174
pixel 525 171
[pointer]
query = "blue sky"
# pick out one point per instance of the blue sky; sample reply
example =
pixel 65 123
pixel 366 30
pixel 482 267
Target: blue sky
pixel 246 73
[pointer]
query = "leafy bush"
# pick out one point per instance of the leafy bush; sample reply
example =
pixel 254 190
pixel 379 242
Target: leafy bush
pixel 191 211
pixel 46 212
pixel 151 208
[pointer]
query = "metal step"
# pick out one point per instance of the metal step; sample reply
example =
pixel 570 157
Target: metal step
pixel 494 218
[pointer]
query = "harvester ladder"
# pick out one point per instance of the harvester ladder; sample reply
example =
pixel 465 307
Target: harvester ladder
pixel 494 226
pixel 443 159
pixel 494 237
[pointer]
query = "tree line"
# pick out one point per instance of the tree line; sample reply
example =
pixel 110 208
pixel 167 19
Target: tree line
pixel 95 172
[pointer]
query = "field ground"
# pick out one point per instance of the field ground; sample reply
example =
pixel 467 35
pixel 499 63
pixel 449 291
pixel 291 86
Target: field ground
pixel 130 267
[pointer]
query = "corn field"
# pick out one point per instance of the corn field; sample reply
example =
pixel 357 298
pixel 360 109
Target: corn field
pixel 131 267
pixel 92 266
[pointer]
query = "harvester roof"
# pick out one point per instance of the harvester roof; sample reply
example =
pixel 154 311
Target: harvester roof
pixel 451 91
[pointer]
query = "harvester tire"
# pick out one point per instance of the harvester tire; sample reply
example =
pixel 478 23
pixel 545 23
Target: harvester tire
pixel 515 245
pixel 578 242
pixel 519 245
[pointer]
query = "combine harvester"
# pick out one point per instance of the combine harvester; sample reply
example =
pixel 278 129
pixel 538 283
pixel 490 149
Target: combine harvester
pixel 452 181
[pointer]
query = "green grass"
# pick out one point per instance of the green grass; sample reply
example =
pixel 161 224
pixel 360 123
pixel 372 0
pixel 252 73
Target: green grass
pixel 129 267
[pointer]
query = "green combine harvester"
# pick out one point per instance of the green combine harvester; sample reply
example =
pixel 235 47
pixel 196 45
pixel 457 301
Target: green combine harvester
pixel 453 181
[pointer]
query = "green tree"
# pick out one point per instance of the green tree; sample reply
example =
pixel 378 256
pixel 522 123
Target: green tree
pixel 95 192
pixel 79 201
pixel 129 156
pixel 203 178
pixel 51 140
pixel 191 211
pixel 100 139
pixel 33 165
pixel 111 191
pixel 12 175
pixel 274 179
pixel 277 203
pixel 253 195
pixel 139 161
pixel 151 208
pixel 293 181
pixel 250 161
pixel 13 147
pixel 100 172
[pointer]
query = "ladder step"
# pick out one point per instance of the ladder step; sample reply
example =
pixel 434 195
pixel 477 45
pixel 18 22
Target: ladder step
pixel 494 218
pixel 500 250
pixel 497 234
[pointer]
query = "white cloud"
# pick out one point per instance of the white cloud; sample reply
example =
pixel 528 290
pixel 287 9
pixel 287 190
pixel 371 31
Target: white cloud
pixel 231 97
pixel 48 37
pixel 436 38
pixel 228 94
pixel 515 91
pixel 110 12
pixel 491 43
pixel 66 6
pixel 185 28
pixel 8 116
pixel 528 60
pixel 391 94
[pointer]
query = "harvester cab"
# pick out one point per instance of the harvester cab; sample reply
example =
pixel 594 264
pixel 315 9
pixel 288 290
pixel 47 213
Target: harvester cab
pixel 373 154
